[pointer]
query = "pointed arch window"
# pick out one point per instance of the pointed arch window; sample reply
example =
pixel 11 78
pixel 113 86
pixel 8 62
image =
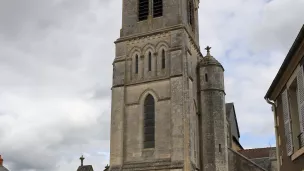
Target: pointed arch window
pixel 163 59
pixel 143 9
pixel 157 8
pixel 150 62
pixel 136 64
pixel 149 122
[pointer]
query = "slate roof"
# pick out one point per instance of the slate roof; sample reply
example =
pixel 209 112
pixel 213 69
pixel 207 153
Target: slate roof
pixel 85 168
pixel 257 152
pixel 229 107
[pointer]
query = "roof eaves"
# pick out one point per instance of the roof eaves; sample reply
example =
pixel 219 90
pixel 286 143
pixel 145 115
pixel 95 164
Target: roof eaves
pixel 286 61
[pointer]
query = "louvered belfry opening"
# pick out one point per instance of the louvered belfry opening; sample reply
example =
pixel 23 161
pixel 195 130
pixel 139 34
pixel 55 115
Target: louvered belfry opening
pixel 191 13
pixel 157 8
pixel 143 9
pixel 149 122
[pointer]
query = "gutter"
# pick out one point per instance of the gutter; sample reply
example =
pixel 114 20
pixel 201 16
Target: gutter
pixel 273 107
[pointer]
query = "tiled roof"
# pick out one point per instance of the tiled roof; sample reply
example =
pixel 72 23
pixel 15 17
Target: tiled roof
pixel 85 168
pixel 257 152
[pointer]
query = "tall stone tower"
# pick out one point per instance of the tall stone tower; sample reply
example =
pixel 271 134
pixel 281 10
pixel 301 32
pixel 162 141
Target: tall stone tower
pixel 213 126
pixel 157 113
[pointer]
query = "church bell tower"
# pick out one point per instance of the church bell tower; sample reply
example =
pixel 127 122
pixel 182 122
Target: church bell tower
pixel 155 121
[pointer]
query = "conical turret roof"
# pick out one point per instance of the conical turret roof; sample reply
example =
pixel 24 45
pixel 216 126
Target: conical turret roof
pixel 208 59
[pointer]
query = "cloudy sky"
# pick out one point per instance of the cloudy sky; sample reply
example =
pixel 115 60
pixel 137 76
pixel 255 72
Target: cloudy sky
pixel 55 70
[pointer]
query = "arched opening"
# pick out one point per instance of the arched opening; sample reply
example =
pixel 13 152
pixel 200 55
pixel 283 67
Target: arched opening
pixel 149 122
pixel 150 62
pixel 163 59
pixel 136 64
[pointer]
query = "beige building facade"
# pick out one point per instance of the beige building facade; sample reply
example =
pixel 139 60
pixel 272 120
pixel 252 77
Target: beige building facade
pixel 286 95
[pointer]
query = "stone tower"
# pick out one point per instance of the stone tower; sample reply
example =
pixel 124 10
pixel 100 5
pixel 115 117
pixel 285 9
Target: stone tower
pixel 157 115
pixel 213 116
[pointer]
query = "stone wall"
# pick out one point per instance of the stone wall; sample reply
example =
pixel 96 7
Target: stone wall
pixel 238 162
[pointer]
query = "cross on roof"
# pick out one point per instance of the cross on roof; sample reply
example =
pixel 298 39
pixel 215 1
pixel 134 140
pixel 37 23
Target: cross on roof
pixel 81 159
pixel 208 48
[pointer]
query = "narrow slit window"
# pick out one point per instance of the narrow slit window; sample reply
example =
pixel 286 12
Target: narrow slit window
pixel 206 77
pixel 220 148
pixel 150 62
pixel 136 64
pixel 143 9
pixel 149 122
pixel 157 8
pixel 163 59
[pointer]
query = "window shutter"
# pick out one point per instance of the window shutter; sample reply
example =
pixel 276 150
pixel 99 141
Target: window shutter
pixel 287 123
pixel 300 93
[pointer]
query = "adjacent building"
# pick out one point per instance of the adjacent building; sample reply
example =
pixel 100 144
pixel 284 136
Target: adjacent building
pixel 264 157
pixel 286 95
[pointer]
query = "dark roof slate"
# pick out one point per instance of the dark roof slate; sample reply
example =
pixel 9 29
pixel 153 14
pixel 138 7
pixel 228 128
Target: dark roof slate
pixel 85 168
pixel 229 107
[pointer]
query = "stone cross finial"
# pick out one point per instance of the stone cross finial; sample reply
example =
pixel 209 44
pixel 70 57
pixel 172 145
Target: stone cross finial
pixel 208 50
pixel 107 167
pixel 81 159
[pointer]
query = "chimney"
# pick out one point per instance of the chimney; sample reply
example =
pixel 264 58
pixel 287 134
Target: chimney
pixel 1 161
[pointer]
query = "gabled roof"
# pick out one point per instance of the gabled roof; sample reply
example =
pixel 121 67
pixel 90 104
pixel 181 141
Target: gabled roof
pixel 85 168
pixel 257 152
pixel 229 107
pixel 286 61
